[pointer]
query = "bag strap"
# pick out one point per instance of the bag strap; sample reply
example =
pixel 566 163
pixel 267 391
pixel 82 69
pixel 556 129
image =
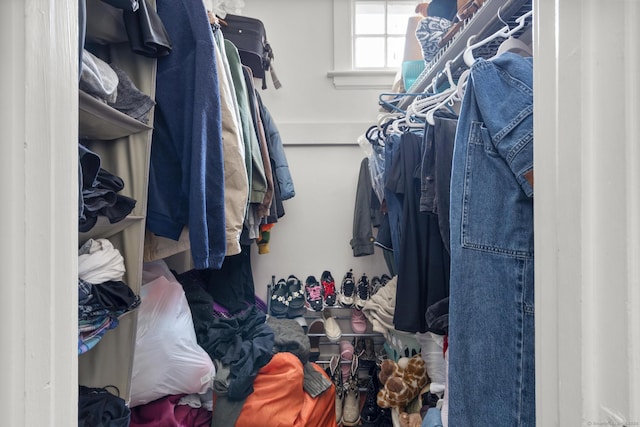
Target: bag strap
pixel 276 82
pixel 267 64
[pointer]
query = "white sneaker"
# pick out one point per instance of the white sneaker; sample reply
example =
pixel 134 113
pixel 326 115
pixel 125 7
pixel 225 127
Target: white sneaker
pixel 331 328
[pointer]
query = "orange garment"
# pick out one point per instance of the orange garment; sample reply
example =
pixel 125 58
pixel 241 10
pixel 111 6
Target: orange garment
pixel 278 399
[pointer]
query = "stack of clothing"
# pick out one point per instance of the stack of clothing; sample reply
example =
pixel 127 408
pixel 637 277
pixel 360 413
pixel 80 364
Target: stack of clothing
pixel 99 192
pixel 102 295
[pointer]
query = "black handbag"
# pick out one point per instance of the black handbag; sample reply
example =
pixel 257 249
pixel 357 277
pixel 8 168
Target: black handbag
pixel 250 38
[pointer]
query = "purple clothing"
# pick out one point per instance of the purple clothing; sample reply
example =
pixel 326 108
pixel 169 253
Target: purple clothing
pixel 165 412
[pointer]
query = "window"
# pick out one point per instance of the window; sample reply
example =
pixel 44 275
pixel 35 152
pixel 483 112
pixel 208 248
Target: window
pixel 379 30
pixel 369 41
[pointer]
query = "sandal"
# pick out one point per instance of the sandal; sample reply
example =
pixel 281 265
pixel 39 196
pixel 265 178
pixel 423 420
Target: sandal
pixel 279 299
pixel 294 287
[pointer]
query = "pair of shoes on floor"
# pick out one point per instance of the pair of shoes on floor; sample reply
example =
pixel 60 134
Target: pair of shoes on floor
pixel 287 298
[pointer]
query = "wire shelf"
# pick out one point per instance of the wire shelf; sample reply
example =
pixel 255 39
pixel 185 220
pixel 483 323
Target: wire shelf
pixel 493 15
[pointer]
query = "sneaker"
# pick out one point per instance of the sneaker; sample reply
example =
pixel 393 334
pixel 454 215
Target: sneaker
pixel 329 288
pixel 313 292
pixel 335 374
pixel 358 321
pixel 376 284
pixel 347 292
pixel 351 405
pixel 362 292
pixel 331 327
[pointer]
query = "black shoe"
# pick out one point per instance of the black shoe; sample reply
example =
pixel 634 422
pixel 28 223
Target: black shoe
pixel 385 418
pixel 371 413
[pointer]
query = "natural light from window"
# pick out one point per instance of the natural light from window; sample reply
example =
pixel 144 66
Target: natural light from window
pixel 379 32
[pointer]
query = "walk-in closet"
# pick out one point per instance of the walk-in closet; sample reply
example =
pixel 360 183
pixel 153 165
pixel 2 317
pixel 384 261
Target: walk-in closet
pixel 320 213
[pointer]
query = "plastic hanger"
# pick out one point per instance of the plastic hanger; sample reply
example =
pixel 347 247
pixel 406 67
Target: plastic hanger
pixel 504 32
pixel 514 45
pixel 419 107
pixel 449 101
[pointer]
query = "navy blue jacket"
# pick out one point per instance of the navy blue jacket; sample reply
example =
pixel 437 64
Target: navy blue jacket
pixel 186 180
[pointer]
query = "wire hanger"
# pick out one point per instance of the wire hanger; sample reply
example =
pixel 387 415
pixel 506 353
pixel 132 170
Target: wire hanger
pixel 504 32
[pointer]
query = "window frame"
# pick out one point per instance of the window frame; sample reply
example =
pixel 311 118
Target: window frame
pixel 344 75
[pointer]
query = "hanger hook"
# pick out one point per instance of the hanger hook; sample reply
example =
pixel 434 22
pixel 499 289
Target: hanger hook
pixel 506 24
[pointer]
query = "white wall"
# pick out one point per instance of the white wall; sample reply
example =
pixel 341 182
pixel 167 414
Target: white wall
pixel 319 126
pixel 38 218
pixel 587 212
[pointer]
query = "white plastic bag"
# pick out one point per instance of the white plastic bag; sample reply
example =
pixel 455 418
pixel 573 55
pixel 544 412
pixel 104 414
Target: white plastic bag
pixel 167 358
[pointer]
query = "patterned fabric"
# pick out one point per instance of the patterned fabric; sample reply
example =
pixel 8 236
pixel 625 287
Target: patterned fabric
pixel 401 384
pixel 429 33
pixel 99 307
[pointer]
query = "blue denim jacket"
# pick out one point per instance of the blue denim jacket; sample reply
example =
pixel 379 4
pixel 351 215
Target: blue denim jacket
pixel 491 315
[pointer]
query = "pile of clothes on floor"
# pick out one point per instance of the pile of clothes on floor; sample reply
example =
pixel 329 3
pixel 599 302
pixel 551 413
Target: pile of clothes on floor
pixel 197 364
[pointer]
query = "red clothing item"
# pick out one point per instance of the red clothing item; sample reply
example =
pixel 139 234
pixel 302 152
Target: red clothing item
pixel 165 412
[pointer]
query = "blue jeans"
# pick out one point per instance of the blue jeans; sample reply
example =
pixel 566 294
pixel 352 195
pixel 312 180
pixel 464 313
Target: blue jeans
pixel 491 312
pixel 393 199
pixel 432 418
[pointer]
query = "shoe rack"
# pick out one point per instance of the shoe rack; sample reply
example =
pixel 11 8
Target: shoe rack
pixel 329 348
pixel 124 146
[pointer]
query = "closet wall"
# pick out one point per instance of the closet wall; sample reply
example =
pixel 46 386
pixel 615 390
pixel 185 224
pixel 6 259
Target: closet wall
pixel 319 126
